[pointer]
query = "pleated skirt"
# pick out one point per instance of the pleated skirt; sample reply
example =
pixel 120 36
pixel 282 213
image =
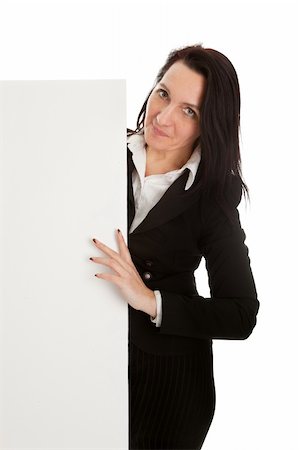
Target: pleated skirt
pixel 171 399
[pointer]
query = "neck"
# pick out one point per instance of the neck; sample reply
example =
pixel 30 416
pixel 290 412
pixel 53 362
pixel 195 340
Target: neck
pixel 159 161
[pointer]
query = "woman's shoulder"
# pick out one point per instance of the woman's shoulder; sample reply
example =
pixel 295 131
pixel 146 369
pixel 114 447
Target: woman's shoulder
pixel 217 209
pixel 230 194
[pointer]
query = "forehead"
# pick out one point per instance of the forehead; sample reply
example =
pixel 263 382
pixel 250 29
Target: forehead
pixel 184 82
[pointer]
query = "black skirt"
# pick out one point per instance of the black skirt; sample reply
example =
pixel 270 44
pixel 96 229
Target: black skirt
pixel 171 399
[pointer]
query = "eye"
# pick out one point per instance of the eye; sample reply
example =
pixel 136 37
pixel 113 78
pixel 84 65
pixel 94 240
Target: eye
pixel 159 91
pixel 193 113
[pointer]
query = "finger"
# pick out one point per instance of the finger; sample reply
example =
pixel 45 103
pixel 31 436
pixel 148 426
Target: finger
pixel 106 249
pixel 124 251
pixel 123 261
pixel 109 277
pixel 110 262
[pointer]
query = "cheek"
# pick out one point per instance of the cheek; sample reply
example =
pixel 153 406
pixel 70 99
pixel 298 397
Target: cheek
pixel 151 111
pixel 148 110
pixel 190 131
pixel 154 104
pixel 196 130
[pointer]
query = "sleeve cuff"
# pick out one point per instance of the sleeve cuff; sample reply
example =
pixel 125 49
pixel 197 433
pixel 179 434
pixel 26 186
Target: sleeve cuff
pixel 158 319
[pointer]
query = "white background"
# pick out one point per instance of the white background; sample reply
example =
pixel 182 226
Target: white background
pixel 256 379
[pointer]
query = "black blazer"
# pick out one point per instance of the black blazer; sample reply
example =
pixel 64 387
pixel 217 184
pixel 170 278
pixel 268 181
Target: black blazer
pixel 166 248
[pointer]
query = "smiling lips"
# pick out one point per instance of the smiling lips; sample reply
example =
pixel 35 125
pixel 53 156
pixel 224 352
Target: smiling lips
pixel 159 132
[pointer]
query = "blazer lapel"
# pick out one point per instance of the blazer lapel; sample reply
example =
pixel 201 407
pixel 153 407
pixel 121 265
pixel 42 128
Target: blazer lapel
pixel 130 196
pixel 174 201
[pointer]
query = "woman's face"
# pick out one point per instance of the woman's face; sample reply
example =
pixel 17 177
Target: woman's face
pixel 172 112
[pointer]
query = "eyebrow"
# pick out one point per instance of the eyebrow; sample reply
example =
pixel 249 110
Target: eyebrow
pixel 185 103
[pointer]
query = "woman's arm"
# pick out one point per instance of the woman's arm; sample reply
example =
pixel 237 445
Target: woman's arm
pixel 231 311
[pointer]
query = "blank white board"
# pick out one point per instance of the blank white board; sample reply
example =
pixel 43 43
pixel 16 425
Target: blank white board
pixel 64 332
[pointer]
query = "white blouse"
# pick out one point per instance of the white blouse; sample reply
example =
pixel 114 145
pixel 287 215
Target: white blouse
pixel 149 190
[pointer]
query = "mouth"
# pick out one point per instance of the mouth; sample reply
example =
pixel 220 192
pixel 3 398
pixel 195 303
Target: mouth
pixel 159 132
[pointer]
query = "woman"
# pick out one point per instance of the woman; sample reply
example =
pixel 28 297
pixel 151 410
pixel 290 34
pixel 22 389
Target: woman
pixel 184 186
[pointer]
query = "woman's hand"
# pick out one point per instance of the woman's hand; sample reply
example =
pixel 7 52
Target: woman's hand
pixel 127 278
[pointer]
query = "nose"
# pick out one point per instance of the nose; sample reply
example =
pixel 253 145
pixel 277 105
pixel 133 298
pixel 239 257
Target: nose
pixel 165 115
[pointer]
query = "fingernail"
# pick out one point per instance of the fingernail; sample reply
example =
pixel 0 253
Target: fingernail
pixel 95 241
pixel 118 230
pixel 91 259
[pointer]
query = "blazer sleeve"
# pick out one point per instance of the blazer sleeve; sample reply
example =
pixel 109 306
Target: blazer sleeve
pixel 230 312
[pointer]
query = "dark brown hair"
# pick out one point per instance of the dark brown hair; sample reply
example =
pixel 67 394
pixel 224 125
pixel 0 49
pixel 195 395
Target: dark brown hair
pixel 219 119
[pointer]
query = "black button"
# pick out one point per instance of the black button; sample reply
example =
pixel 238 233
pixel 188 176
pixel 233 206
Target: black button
pixel 147 275
pixel 148 263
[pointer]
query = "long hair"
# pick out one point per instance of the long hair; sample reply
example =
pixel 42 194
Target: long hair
pixel 219 119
